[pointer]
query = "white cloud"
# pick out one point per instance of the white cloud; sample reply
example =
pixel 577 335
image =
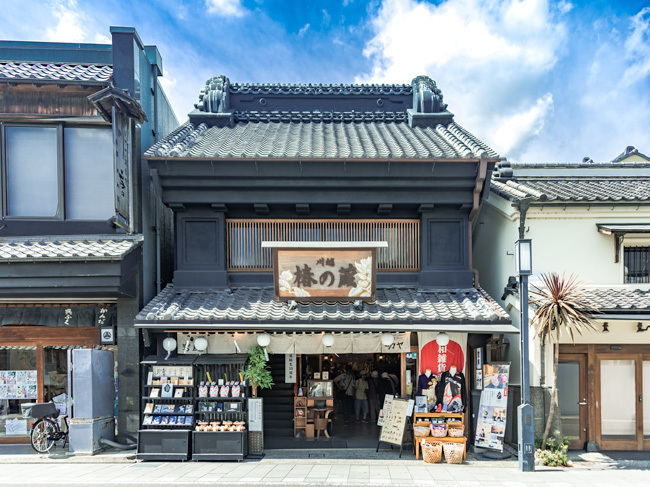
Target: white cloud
pixel 70 23
pixel 326 17
pixel 304 29
pixel 637 48
pixel 225 8
pixel 488 57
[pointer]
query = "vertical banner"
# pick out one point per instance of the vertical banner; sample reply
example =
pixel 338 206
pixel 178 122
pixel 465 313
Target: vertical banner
pixel 290 368
pixel 492 413
pixel 122 144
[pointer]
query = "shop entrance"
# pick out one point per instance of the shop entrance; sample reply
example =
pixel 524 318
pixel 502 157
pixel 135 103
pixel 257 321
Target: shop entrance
pixel 572 392
pixel 358 382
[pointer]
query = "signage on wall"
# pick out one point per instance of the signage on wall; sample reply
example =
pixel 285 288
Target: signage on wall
pixel 122 143
pixel 320 271
pixel 18 384
pixel 107 335
pixel 493 409
pixel 290 368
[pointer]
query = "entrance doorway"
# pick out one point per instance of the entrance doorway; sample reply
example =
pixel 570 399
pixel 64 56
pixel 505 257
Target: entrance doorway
pixel 623 417
pixel 572 392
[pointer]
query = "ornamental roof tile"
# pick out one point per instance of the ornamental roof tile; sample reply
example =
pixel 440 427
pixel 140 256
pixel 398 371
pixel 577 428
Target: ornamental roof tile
pixel 574 189
pixel 319 89
pixel 103 247
pixel 332 135
pixel 258 304
pixel 56 72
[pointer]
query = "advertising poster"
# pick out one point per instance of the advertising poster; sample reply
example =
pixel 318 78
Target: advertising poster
pixel 18 384
pixel 491 423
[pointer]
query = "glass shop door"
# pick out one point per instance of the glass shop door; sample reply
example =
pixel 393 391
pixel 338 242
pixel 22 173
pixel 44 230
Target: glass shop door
pixel 572 393
pixel 624 395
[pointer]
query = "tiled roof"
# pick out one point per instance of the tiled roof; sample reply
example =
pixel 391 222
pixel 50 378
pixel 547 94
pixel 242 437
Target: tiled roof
pixel 577 189
pixel 258 304
pixel 313 135
pixel 66 248
pixel 319 89
pixel 617 299
pixel 56 72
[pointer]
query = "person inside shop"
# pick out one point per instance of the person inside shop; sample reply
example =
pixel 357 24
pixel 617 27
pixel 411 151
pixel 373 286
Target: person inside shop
pixel 361 397
pixel 451 391
pixel 345 383
pixel 373 396
pixel 386 387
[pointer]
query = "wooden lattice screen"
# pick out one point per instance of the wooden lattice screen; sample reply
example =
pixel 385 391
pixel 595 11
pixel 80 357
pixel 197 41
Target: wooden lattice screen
pixel 245 237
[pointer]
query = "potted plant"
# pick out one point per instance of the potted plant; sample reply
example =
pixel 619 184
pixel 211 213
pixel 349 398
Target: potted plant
pixel 256 370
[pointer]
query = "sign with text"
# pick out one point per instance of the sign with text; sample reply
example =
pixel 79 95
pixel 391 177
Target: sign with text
pixel 395 422
pixel 122 143
pixel 320 274
pixel 493 409
pixel 290 368
pixel 255 414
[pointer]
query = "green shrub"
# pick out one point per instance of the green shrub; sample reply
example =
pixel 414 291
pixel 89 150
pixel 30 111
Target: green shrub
pixel 555 454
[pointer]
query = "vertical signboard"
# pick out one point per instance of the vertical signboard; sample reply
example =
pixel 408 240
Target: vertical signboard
pixel 122 145
pixel 290 368
pixel 491 423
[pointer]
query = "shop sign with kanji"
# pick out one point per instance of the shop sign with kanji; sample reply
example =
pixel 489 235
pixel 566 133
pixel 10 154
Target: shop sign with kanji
pixel 322 274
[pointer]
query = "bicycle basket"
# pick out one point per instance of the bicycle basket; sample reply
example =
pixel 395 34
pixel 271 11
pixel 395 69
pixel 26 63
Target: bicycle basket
pixel 39 410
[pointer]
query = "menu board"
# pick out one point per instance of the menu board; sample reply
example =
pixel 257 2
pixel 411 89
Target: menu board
pixel 254 414
pixel 395 422
pixel 491 423
pixel 18 384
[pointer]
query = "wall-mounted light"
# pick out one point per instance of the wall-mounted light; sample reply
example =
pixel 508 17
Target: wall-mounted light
pixel 640 328
pixel 605 328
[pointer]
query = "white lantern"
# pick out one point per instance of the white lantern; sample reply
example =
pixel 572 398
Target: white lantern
pixel 387 339
pixel 442 339
pixel 263 339
pixel 169 344
pixel 328 339
pixel 201 344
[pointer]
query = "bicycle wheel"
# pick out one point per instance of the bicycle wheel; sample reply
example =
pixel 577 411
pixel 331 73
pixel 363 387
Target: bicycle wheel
pixel 42 435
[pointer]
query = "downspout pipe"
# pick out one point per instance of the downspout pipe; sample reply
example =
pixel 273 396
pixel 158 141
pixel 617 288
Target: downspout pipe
pixel 478 188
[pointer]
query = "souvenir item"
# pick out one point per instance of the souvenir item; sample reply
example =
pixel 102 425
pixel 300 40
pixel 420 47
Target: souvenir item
pixel 203 390
pixel 224 391
pixel 214 390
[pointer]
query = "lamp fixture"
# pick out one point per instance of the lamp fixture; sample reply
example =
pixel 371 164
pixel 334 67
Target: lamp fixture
pixel 387 339
pixel 640 328
pixel 263 339
pixel 328 339
pixel 169 344
pixel 442 339
pixel 523 257
pixel 605 327
pixel 201 344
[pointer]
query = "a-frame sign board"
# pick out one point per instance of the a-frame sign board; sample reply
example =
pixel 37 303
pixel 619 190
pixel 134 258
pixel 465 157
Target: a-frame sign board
pixel 394 427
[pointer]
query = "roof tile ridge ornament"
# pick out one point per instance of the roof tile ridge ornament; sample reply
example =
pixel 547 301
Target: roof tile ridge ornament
pixel 214 97
pixel 428 108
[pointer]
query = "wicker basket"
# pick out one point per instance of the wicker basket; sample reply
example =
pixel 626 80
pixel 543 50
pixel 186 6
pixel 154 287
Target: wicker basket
pixel 454 452
pixel 439 430
pixel 432 451
pixel 421 431
pixel 455 432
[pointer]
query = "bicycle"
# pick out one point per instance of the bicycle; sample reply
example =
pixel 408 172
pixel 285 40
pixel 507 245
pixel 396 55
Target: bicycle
pixel 45 432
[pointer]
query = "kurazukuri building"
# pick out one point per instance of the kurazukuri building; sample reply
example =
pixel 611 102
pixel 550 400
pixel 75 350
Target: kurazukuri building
pixel 330 224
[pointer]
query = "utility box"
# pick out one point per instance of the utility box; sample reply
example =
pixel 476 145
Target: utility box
pixel 92 391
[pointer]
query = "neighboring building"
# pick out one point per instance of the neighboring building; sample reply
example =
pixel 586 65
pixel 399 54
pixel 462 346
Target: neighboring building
pixel 315 165
pixel 77 246
pixel 592 220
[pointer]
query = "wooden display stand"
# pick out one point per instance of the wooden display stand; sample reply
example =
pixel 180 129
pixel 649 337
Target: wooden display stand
pixel 299 415
pixel 424 419
pixel 319 407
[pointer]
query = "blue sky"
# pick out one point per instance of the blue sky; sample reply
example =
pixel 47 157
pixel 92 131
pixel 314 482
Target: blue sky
pixel 538 80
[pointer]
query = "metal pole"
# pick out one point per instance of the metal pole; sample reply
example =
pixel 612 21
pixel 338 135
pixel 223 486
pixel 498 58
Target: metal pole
pixel 526 434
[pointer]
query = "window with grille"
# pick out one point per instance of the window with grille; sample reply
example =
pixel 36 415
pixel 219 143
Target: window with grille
pixel 637 265
pixel 245 237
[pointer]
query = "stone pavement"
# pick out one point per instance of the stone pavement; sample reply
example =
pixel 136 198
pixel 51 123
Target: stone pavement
pixel 120 469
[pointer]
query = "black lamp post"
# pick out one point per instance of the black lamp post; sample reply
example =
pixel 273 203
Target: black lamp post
pixel 526 433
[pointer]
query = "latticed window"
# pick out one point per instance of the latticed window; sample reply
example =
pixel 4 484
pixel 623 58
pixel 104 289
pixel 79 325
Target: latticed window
pixel 637 265
pixel 245 237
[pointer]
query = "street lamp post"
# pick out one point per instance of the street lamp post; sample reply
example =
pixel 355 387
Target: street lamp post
pixel 526 433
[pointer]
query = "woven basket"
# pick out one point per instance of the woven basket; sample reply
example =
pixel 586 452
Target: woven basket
pixel 432 451
pixel 440 431
pixel 455 432
pixel 421 431
pixel 454 452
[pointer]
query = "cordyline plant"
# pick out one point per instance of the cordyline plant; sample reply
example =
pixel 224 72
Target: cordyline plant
pixel 256 370
pixel 561 308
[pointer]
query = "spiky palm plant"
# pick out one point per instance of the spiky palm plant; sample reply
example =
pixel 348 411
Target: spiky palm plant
pixel 561 308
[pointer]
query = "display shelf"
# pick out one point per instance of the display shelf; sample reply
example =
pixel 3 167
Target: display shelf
pixel 163 444
pixel 299 415
pixel 424 419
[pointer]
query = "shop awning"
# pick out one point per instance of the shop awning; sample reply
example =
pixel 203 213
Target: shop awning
pixel 395 309
pixel 58 315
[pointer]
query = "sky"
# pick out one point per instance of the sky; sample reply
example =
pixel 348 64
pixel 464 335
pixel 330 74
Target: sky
pixel 537 80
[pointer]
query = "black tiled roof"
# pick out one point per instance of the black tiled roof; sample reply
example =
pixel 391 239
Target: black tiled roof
pixel 310 136
pixel 103 247
pixel 320 89
pixel 258 304
pixel 611 300
pixel 56 72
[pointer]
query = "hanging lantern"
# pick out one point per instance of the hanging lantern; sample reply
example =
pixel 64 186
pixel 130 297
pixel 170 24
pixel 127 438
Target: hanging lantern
pixel 328 339
pixel 201 344
pixel 442 339
pixel 387 339
pixel 263 339
pixel 169 344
